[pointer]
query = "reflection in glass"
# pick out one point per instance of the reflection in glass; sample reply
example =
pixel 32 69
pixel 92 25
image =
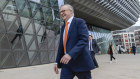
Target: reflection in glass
pixel 54 4
pixel 51 43
pixel 31 54
pixel 37 15
pixel 29 29
pixel 33 46
pixel 57 17
pixel 43 28
pixel 24 21
pixel 4 42
pixel 2 2
pixel 18 44
pixel 26 12
pixel 18 55
pixel 10 8
pixel 36 10
pixel 51 55
pixel 51 26
pixel 37 26
pixel 28 38
pixel 36 61
pixel 2 26
pixel 39 40
pixel 43 44
pixel 44 57
pixel 28 32
pixel 18 34
pixel 46 2
pixel 8 19
pixel 13 28
pixel 48 15
pixel 3 54
pixel 44 36
pixel 8 61
pixel 57 41
pixel 34 7
pixel 20 4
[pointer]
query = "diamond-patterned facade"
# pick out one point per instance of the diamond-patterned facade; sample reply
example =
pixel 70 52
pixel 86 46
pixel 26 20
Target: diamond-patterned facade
pixel 28 31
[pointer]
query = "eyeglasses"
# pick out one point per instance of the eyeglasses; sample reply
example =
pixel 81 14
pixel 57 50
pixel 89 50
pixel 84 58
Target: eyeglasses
pixel 63 11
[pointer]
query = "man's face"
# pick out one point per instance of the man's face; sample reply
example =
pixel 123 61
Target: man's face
pixel 65 13
pixel 90 38
pixel 110 43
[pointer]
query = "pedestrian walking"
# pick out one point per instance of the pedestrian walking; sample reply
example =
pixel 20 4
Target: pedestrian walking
pixel 111 50
pixel 94 49
pixel 134 49
pixel 73 55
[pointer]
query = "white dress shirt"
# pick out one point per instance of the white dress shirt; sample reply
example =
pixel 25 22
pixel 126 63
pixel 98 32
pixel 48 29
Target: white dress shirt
pixel 90 45
pixel 69 20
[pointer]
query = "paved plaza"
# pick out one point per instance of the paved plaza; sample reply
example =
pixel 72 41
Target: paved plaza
pixel 127 67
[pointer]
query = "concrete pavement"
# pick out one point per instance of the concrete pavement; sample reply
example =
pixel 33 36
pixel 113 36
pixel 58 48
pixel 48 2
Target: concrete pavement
pixel 127 67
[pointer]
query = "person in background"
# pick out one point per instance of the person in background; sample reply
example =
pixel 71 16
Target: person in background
pixel 130 51
pixel 73 55
pixel 134 49
pixel 94 48
pixel 119 50
pixel 111 51
pixel 18 34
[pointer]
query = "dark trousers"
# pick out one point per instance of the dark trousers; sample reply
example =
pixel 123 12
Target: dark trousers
pixel 111 56
pixel 67 73
pixel 94 59
pixel 134 52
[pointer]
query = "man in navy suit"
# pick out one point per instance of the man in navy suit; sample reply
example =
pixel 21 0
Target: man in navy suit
pixel 73 55
pixel 94 48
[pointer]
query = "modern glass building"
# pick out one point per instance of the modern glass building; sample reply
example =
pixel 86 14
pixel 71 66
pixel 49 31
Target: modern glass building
pixel 29 32
pixel 30 29
pixel 102 36
pixel 137 39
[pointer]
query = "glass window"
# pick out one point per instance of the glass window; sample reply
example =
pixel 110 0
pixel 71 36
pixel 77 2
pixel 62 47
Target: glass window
pixel 30 31
pixel 2 2
pixel 20 4
pixel 2 26
pixel 10 8
pixel 26 12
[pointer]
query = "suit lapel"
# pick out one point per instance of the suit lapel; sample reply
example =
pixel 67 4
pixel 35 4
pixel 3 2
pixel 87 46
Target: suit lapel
pixel 71 27
pixel 93 41
pixel 62 31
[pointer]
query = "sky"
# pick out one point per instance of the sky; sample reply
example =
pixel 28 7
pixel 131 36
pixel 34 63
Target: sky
pixel 137 23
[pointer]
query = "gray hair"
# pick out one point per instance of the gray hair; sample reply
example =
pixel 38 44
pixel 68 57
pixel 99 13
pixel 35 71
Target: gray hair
pixel 69 6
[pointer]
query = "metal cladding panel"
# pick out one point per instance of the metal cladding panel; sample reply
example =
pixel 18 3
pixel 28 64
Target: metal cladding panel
pixel 108 14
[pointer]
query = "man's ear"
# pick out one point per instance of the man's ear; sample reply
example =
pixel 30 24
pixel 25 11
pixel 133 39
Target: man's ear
pixel 70 11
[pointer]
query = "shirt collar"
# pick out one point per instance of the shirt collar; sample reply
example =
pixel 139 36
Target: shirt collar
pixel 70 19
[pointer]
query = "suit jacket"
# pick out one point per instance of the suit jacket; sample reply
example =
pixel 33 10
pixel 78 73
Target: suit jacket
pixel 95 46
pixel 77 47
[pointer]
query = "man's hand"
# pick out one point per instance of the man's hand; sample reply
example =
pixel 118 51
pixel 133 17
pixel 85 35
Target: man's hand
pixel 65 59
pixel 56 69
